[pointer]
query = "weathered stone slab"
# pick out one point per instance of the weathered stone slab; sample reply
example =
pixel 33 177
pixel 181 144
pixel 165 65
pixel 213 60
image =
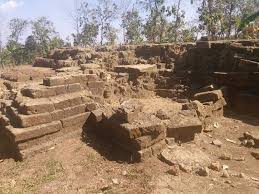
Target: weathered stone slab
pixel 67 100
pixel 129 111
pixel 187 156
pixel 96 87
pixel 36 106
pixel 147 153
pixel 45 92
pixel 183 127
pixel 90 66
pixel 54 81
pixel 76 121
pixel 148 125
pixel 248 65
pixel 136 69
pixel 25 121
pixel 140 143
pixel 209 96
pixel 24 134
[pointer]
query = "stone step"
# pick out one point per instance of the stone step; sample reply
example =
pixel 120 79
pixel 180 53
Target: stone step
pixel 69 79
pixel 19 135
pixel 24 121
pixel 30 106
pixel 38 91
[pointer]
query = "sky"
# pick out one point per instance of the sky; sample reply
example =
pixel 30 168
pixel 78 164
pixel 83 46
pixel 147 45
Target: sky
pixel 58 11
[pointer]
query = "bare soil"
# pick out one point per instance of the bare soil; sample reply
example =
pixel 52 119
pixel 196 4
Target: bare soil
pixel 78 165
pixel 25 73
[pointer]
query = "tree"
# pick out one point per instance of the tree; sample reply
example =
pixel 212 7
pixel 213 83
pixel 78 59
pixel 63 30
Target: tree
pixel 105 14
pixel 30 48
pixel 131 23
pixel 85 24
pixel 89 33
pixel 211 16
pixel 17 26
pixel 16 51
pixel 155 27
pixel 163 21
pixel 110 35
pixel 43 31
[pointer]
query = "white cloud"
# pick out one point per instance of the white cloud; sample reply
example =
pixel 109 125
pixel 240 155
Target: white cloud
pixel 10 5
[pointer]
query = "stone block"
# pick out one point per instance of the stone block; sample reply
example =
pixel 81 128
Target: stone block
pixel 91 106
pixel 183 127
pixel 141 142
pixel 54 81
pixel 73 88
pixel 150 125
pixel 248 65
pixel 19 135
pixel 36 106
pixel 25 121
pixel 209 96
pixel 96 116
pixel 219 104
pixel 76 121
pixel 129 111
pixel 147 153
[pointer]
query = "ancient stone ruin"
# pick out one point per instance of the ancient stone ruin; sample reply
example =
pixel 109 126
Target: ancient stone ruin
pixel 102 90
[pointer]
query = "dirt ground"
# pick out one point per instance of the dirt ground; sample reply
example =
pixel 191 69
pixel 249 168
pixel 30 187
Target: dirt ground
pixel 25 73
pixel 87 165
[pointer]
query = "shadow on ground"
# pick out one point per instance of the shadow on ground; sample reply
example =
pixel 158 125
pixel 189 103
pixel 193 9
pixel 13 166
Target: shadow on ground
pixel 7 149
pixel 248 119
pixel 105 147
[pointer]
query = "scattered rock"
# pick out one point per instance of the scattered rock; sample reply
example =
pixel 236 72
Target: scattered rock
pixel 162 115
pixel 207 130
pixel 115 181
pixel 231 141
pixel 184 168
pixel 242 175
pixel 215 166
pixel 225 167
pixel 203 171
pixel 250 143
pixel 216 125
pixel 228 182
pixel 106 188
pixel 225 174
pixel 239 159
pixel 217 142
pixel 252 139
pixel 174 170
pixel 226 156
pixel 255 155
pixel 124 173
pixel 188 156
pixel 170 141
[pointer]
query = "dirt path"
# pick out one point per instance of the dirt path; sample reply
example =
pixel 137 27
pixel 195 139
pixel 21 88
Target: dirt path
pixel 76 166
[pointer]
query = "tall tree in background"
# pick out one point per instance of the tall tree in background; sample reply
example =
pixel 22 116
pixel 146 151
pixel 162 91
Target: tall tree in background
pixel 30 48
pixel 155 27
pixel 43 32
pixel 131 23
pixel 16 27
pixel 105 13
pixel 211 16
pixel 85 25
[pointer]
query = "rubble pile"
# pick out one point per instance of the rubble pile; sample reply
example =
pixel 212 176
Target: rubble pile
pixel 140 134
pixel 93 89
pixel 61 104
